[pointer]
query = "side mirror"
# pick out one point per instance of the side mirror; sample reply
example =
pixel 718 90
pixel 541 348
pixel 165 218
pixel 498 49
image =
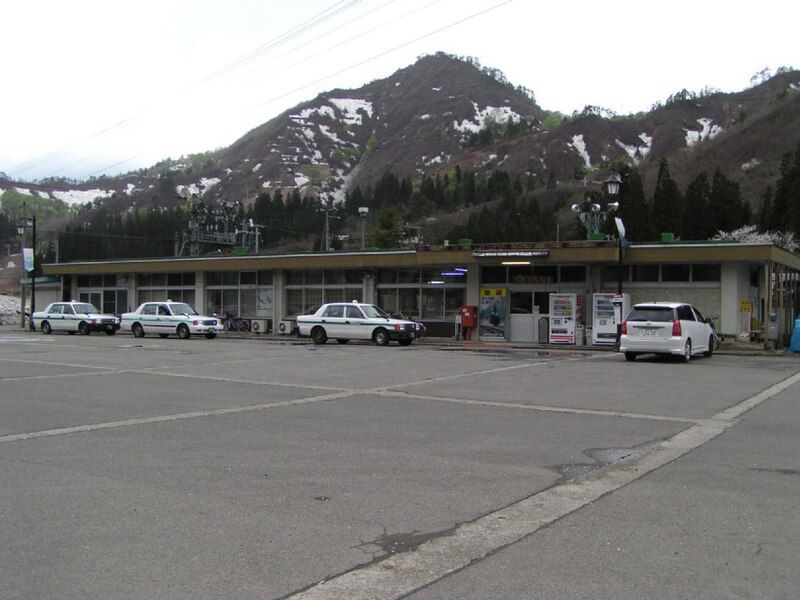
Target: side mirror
pixel 710 321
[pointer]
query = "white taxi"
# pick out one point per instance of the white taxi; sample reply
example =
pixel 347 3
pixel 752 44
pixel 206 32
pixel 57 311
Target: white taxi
pixel 355 321
pixel 164 318
pixel 72 317
pixel 672 328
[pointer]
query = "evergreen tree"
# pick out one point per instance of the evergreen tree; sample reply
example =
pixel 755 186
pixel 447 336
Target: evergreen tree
pixel 696 217
pixel 785 211
pixel 633 209
pixel 728 212
pixel 666 201
pixel 386 234
pixel 765 212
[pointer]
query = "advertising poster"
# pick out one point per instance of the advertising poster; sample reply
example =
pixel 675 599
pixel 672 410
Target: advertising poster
pixel 492 312
pixel 264 302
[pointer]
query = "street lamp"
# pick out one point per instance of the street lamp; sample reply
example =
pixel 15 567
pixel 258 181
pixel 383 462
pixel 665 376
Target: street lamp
pixel 363 211
pixel 21 227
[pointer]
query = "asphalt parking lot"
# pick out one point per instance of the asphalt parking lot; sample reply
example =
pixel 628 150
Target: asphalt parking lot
pixel 150 468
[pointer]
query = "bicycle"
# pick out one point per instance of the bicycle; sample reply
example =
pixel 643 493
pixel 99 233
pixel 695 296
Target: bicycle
pixel 231 323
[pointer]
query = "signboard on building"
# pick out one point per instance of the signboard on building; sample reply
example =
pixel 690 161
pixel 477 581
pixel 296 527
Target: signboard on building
pixel 492 313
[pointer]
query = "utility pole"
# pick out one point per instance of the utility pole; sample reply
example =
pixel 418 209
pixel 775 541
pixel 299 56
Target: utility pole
pixel 363 211
pixel 33 275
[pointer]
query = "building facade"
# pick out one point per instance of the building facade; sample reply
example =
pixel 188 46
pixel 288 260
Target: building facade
pixel 750 290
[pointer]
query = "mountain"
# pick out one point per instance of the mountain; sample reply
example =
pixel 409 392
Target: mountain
pixel 444 111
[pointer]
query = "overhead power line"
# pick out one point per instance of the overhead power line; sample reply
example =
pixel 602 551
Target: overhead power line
pixel 385 52
pixel 283 38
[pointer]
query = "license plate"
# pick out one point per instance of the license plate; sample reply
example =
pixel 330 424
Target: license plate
pixel 648 331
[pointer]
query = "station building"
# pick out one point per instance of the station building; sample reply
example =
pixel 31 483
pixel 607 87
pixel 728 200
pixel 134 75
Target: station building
pixel 750 290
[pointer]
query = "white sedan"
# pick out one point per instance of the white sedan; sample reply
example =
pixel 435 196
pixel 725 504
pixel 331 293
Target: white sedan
pixel 169 317
pixel 671 328
pixel 72 317
pixel 354 321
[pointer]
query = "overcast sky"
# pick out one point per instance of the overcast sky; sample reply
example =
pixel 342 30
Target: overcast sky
pixel 99 86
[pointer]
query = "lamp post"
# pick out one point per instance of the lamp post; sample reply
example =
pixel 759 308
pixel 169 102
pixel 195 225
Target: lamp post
pixel 363 211
pixel 21 227
pixel 591 214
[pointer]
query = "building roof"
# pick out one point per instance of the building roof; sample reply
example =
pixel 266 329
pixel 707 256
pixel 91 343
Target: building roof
pixel 578 252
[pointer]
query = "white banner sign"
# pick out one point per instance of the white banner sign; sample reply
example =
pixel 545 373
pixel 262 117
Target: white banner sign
pixel 27 259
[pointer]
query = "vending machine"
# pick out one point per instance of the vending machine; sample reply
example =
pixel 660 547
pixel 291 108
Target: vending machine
pixel 604 319
pixel 566 313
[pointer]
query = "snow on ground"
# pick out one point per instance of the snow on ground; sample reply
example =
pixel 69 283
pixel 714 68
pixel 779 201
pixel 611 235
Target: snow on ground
pixel 9 309
pixel 129 189
pixel 424 117
pixel 350 108
pixel 437 89
pixel 708 132
pixel 24 191
pixel 580 147
pixel 309 133
pixel 795 86
pixel 323 111
pixel 266 184
pixel 326 131
pixel 43 194
pixel 257 167
pixel 199 189
pixel 500 114
pixel 637 153
pixel 81 196
pixel 751 164
pixel 300 180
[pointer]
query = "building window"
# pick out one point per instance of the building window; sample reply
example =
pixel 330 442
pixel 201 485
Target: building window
pixel 706 272
pixel 573 274
pixel 645 272
pixel 493 275
pixel 671 272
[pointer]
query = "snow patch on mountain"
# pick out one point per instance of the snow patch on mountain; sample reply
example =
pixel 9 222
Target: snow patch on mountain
pixel 351 109
pixel 300 180
pixel 129 189
pixel 708 132
pixel 500 114
pixel 81 196
pixel 323 111
pixel 198 189
pixel 24 191
pixel 579 145
pixel 326 131
pixel 256 168
pixel 634 152
pixel 751 164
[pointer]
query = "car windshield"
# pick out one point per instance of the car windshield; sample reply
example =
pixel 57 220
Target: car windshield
pixel 374 312
pixel 179 308
pixel 85 308
pixel 652 313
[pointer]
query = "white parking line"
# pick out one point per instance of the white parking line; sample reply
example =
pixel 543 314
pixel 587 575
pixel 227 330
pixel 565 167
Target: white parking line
pixel 542 407
pixel 166 418
pixel 55 364
pixel 402 574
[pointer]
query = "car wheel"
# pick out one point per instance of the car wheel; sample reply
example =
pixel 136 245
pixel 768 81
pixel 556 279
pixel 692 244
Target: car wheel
pixel 183 331
pixel 111 331
pixel 318 335
pixel 687 351
pixel 381 337
pixel 709 353
pixel 630 356
pixel 138 330
pixel 405 342
pixel 45 327
pixel 83 328
pixel 341 341
pixel 211 336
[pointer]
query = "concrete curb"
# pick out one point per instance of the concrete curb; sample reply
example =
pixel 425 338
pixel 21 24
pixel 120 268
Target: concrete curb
pixel 465 345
